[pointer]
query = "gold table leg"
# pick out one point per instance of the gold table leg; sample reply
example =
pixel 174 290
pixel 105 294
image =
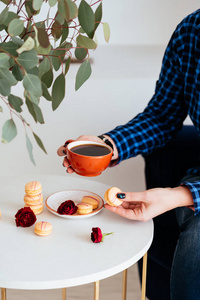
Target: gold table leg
pixel 3 294
pixel 144 275
pixel 96 290
pixel 124 285
pixel 64 292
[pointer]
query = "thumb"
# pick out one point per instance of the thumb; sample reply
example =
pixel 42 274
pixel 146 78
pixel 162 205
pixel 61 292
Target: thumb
pixel 132 196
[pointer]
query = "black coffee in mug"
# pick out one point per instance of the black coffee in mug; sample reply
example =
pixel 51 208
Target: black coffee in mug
pixel 90 150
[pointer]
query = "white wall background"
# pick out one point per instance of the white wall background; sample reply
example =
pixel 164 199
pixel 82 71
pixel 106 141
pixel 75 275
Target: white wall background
pixel 122 82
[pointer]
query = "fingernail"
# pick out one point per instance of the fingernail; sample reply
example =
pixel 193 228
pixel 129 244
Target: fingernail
pixel 121 195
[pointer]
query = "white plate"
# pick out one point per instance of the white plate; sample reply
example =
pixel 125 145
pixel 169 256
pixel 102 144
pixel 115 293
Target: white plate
pixel 53 202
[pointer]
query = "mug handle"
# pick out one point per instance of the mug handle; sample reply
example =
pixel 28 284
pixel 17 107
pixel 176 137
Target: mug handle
pixel 67 142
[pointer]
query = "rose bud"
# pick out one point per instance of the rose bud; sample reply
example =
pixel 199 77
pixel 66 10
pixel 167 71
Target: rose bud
pixel 25 217
pixel 97 236
pixel 67 208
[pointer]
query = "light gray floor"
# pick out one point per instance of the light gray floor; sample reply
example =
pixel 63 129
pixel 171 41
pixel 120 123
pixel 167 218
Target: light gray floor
pixel 110 289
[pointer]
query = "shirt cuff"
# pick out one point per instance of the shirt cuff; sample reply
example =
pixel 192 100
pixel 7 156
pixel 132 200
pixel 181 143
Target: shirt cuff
pixel 195 190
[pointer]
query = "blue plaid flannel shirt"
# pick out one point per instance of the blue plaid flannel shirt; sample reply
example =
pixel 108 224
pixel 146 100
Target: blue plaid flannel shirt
pixel 177 94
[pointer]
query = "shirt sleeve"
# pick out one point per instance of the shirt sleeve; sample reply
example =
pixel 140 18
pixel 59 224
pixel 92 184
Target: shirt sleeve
pixel 194 187
pixel 165 113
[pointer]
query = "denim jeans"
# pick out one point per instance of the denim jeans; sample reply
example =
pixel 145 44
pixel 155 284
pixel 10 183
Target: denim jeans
pixel 173 267
pixel 185 271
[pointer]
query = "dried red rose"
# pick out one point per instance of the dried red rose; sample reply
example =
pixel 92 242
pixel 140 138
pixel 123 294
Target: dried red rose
pixel 25 217
pixel 67 208
pixel 97 236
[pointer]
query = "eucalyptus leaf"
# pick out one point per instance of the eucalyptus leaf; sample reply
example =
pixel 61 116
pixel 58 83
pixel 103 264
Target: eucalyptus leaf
pixel 58 91
pixel 80 53
pixel 47 78
pixel 3 15
pixel 83 74
pixel 45 92
pixel 9 131
pixel 17 72
pixel 86 18
pixel 44 66
pixel 106 31
pixel 34 71
pixel 56 30
pixel 31 110
pixel 67 9
pixel 28 59
pixel 1 109
pixel 37 4
pixel 43 38
pixel 98 15
pixel 52 2
pixel 4 60
pixel 65 32
pixel 31 97
pixel 85 42
pixel 43 51
pixel 30 149
pixel 67 64
pixel 32 84
pixel 35 111
pixel 15 102
pixel 15 27
pixel 4 87
pixel 39 142
pixel 9 47
pixel 27 46
pixel 8 76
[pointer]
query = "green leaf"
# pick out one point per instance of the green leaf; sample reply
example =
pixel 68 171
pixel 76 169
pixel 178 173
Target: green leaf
pixel 35 111
pixel 57 58
pixel 43 38
pixel 6 74
pixel 44 66
pixel 17 72
pixel 15 102
pixel 45 92
pixel 106 31
pixel 1 109
pixel 58 91
pixel 32 98
pixel 39 142
pixel 83 74
pixel 86 18
pixel 3 15
pixel 80 53
pixel 11 16
pixel 85 42
pixel 9 131
pixel 37 4
pixel 47 78
pixel 34 71
pixel 67 64
pixel 98 15
pixel 30 149
pixel 56 30
pixel 28 45
pixel 32 84
pixel 52 2
pixel 9 47
pixel 67 9
pixel 65 32
pixel 4 60
pixel 28 59
pixel 43 51
pixel 15 27
pixel 4 87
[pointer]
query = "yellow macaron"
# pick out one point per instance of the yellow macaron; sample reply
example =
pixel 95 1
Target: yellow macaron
pixel 84 208
pixel 33 199
pixel 37 209
pixel 43 228
pixel 33 188
pixel 93 200
pixel 111 196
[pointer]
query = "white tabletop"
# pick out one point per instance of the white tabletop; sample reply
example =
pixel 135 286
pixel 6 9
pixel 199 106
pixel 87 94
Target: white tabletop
pixel 67 257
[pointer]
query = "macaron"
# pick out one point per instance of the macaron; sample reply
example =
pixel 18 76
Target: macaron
pixel 84 208
pixel 111 196
pixel 43 228
pixel 33 188
pixel 37 209
pixel 93 200
pixel 33 199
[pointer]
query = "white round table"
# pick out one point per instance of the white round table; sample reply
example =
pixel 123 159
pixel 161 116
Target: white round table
pixel 67 257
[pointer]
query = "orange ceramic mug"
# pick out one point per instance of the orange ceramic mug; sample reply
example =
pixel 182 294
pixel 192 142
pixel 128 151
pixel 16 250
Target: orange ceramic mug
pixel 88 158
